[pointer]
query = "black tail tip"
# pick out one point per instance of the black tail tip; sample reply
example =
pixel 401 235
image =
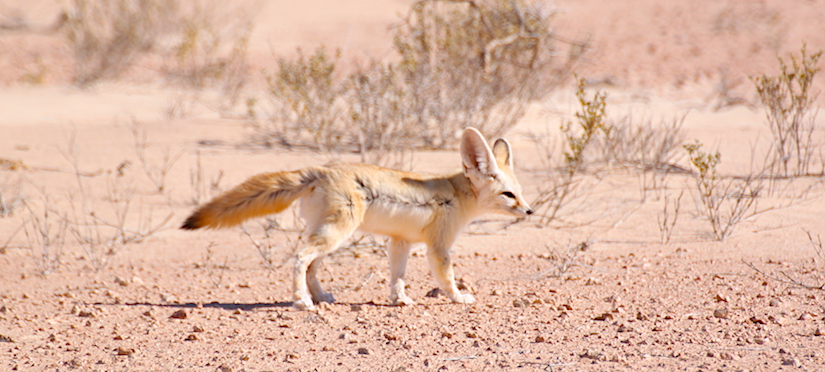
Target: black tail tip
pixel 191 223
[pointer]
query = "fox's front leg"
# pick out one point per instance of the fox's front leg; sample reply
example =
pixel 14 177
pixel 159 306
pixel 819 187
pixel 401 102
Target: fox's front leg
pixel 438 255
pixel 399 252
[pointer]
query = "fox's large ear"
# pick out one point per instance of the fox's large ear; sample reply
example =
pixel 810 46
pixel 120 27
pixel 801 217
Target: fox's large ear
pixel 476 154
pixel 503 153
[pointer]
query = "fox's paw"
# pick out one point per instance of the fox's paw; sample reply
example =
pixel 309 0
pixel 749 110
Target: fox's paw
pixel 464 298
pixel 303 304
pixel 323 297
pixel 402 301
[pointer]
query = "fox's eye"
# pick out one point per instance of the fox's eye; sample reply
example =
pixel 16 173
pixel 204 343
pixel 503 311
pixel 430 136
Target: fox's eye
pixel 509 194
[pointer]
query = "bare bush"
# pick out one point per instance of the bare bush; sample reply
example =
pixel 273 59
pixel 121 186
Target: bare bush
pixel 307 93
pixel 45 231
pixel 478 64
pixel 724 202
pixel 209 49
pixel 214 271
pixel 725 93
pixel 103 231
pixel 378 109
pixel 10 197
pixel 814 277
pixel 652 149
pixel 155 171
pixel 202 189
pixel 107 37
pixel 460 63
pixel 645 146
pixel 200 42
pixel 791 117
pixel 562 186
pixel 267 248
pixel 564 258
pixel 669 216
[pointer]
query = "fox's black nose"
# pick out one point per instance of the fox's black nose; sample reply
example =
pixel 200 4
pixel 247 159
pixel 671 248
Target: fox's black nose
pixel 529 211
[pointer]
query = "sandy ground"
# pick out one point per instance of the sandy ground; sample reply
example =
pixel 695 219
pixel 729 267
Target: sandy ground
pixel 207 300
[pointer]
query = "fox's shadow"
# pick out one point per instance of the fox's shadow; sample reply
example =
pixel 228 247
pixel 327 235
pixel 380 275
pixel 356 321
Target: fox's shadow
pixel 236 306
pixel 217 305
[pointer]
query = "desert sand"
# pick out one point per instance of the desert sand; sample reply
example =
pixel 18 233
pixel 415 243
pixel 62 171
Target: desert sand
pixel 597 292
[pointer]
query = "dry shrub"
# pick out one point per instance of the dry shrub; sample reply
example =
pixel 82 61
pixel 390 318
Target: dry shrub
pixel 200 43
pixel 377 108
pixel 472 63
pixel 644 146
pixel 459 63
pixel 105 229
pixel 593 143
pixel 791 117
pixel 306 93
pixel 45 231
pixel 209 48
pixel 724 202
pixel 563 185
pixel 11 197
pixel 107 36
pixel 156 171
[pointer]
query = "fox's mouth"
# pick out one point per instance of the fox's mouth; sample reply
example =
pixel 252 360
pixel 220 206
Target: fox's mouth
pixel 518 212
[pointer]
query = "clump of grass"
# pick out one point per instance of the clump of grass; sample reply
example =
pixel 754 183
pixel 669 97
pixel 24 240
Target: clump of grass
pixel 791 116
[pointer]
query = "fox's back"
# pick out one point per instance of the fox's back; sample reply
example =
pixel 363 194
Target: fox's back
pixel 395 203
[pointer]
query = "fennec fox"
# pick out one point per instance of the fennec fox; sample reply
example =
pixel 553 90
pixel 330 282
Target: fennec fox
pixel 409 208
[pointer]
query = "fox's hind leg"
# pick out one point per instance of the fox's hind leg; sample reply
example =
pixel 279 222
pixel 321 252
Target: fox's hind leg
pixel 305 286
pixel 331 218
pixel 399 253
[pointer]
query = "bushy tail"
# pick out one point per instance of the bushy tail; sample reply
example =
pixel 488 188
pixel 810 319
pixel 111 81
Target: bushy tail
pixel 258 196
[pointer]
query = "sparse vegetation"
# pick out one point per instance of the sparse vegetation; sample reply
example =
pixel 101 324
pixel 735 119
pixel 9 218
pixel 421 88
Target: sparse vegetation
pixel 590 121
pixel 306 92
pixel 45 231
pixel 813 279
pixel 155 171
pixel 791 117
pixel 203 190
pixel 103 231
pixel 563 258
pixel 724 202
pixel 107 37
pixel 669 216
pixel 208 41
pixel 10 198
pixel 438 86
pixel 265 246
pixel 644 146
